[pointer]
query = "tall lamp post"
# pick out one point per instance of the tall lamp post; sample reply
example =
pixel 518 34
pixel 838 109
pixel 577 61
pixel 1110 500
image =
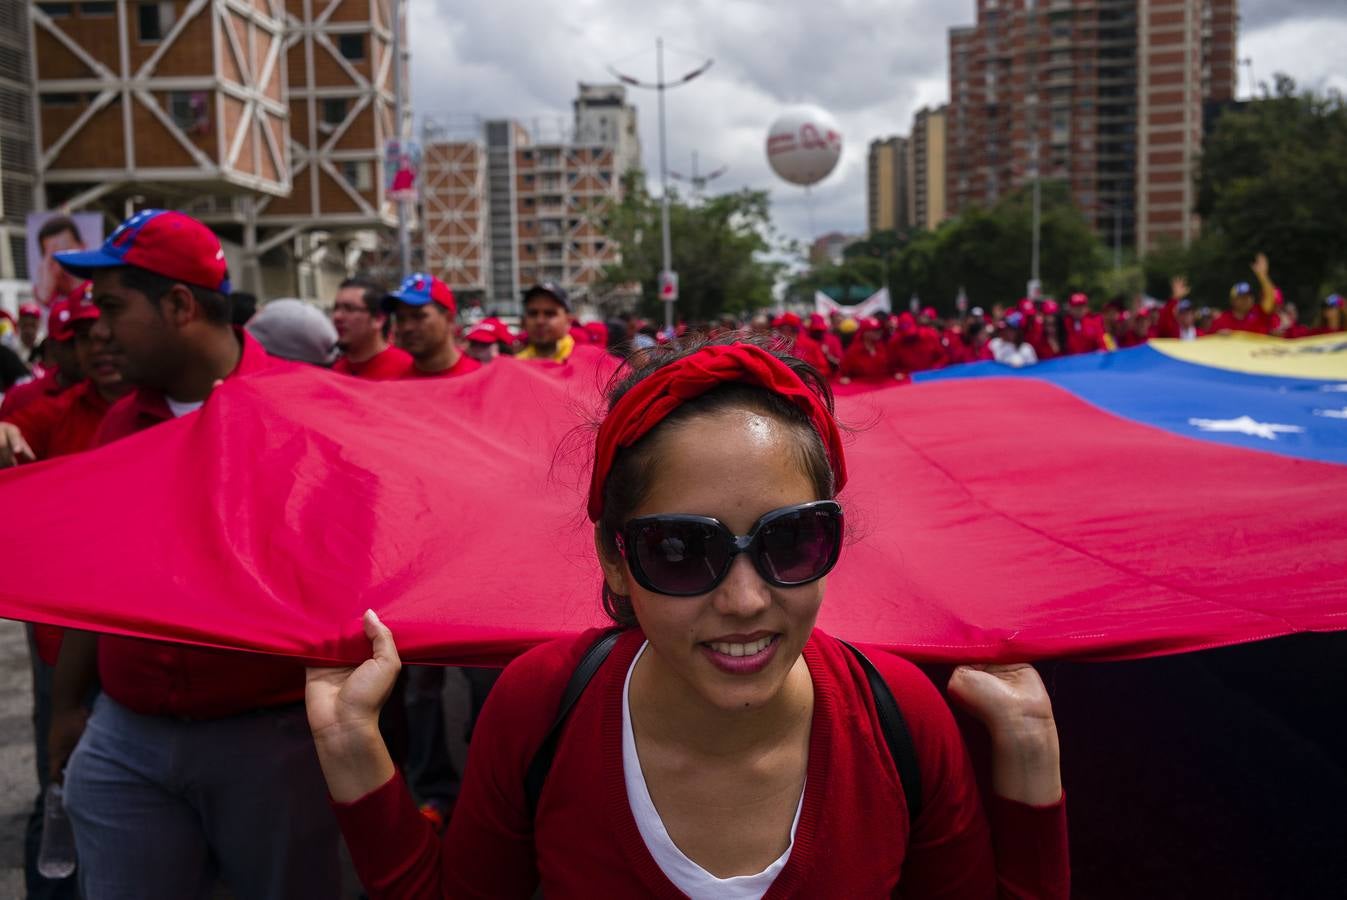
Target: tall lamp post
pixel 1035 285
pixel 660 86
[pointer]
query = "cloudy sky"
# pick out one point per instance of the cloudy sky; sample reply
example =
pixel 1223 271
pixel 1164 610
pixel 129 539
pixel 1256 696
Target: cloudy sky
pixel 871 63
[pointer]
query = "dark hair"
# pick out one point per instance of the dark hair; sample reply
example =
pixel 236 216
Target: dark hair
pixel 242 307
pixel 633 472
pixel 214 305
pixel 372 293
pixel 58 225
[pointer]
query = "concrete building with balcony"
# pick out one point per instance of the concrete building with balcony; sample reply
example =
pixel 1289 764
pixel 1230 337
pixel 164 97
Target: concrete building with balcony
pixel 1105 95
pixel 505 207
pixel 887 187
pixel 268 119
pixel 18 155
pixel 926 169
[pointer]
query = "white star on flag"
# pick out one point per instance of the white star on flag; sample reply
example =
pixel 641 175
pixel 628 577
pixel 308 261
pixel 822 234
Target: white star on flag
pixel 1332 413
pixel 1246 425
pixel 1337 388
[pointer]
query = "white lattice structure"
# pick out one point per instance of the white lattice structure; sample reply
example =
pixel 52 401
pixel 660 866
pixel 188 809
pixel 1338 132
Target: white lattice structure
pixel 340 63
pixel 453 216
pixel 179 95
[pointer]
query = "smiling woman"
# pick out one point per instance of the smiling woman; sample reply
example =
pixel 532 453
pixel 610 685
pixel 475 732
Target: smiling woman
pixel 724 747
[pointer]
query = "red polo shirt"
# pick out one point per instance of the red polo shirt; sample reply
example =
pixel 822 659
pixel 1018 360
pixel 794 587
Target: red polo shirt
pixel 1255 321
pixel 21 395
pixel 63 423
pixel 159 679
pixel 386 365
pixel 464 365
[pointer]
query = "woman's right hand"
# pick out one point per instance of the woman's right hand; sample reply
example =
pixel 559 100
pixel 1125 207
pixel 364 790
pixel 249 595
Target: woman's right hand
pixel 343 705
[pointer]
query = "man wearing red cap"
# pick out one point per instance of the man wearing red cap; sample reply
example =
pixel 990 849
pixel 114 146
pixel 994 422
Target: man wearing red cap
pixel 62 371
pixel 867 359
pixel 913 348
pixel 362 333
pixel 1246 314
pixel 28 328
pixel 191 757
pixel 822 335
pixel 483 341
pixel 547 322
pixel 802 347
pixel 1045 335
pixel 1085 331
pixel 424 309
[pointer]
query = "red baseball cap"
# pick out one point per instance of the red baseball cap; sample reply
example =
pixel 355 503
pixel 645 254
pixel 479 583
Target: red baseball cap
pixel 59 322
pixel 788 319
pixel 163 241
pixel 907 324
pixel 83 310
pixel 1078 300
pixel 817 322
pixel 483 333
pixel 929 313
pixel 30 309
pixel 867 323
pixel 418 289
pixel 1026 306
pixel 1050 307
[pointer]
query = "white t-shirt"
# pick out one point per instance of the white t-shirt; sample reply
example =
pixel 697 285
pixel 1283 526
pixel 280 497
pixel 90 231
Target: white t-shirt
pixel 686 875
pixel 1009 354
pixel 181 409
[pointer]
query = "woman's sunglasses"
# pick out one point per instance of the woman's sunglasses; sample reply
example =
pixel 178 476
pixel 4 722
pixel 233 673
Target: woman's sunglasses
pixel 686 556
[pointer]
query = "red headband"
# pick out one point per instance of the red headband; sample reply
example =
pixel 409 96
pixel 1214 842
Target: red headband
pixel 651 400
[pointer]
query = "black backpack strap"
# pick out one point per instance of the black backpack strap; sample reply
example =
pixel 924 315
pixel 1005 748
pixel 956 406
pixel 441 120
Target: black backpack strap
pixel 896 735
pixel 541 764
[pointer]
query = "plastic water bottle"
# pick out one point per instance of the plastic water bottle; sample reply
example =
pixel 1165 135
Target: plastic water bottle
pixel 56 853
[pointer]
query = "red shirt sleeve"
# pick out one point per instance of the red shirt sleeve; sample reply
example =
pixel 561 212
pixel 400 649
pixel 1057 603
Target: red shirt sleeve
pixel 953 851
pixel 487 851
pixel 37 421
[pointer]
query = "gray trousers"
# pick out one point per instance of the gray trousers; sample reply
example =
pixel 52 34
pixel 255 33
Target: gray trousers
pixel 161 807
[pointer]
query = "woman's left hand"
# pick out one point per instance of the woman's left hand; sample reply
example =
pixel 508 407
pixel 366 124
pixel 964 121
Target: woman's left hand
pixel 1013 704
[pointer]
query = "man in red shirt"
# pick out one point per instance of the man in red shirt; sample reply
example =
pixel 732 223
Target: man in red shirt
pixel 57 378
pixel 193 761
pixel 1085 331
pixel 29 326
pixel 424 310
pixel 791 328
pixel 825 338
pixel 67 422
pixel 362 333
pixel 1246 313
pixel 913 348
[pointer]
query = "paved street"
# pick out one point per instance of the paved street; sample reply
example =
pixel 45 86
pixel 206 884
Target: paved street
pixel 18 782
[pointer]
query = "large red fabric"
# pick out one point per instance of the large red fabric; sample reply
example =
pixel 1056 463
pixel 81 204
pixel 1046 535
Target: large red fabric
pixel 989 519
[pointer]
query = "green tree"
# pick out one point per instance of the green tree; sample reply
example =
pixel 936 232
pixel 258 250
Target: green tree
pixel 720 250
pixel 1272 179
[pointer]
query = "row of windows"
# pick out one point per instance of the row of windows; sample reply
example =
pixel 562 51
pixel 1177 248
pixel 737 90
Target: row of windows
pixel 155 19
pixel 189 110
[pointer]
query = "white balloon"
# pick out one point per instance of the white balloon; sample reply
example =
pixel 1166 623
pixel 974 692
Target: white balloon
pixel 803 145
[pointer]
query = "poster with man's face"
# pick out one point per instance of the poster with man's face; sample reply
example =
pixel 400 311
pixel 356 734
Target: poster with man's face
pixel 48 233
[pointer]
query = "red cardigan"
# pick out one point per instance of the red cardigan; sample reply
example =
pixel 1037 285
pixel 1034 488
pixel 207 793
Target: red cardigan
pixel 852 841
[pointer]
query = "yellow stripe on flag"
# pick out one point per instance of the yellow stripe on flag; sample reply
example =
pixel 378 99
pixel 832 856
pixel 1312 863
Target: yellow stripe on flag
pixel 1322 357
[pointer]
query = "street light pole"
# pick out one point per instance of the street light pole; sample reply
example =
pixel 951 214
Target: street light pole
pixel 660 86
pixel 1038 217
pixel 404 241
pixel 666 241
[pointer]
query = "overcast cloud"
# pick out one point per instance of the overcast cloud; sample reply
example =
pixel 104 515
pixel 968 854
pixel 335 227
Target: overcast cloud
pixel 871 63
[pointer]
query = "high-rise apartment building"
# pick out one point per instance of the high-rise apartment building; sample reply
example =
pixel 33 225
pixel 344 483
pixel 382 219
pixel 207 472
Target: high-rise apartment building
pixel 886 177
pixel 503 210
pixel 1105 95
pixel 926 169
pixel 603 116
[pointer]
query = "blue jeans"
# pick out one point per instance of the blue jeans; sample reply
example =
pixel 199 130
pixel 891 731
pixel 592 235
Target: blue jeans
pixel 162 806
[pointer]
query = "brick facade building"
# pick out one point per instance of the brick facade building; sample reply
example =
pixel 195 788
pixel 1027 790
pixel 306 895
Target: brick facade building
pixel 1106 95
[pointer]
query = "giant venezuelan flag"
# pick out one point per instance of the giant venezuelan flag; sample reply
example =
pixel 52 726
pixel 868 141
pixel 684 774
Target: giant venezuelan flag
pixel 1079 510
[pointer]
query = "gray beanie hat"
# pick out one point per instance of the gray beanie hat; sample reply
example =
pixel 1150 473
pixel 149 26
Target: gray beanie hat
pixel 293 329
